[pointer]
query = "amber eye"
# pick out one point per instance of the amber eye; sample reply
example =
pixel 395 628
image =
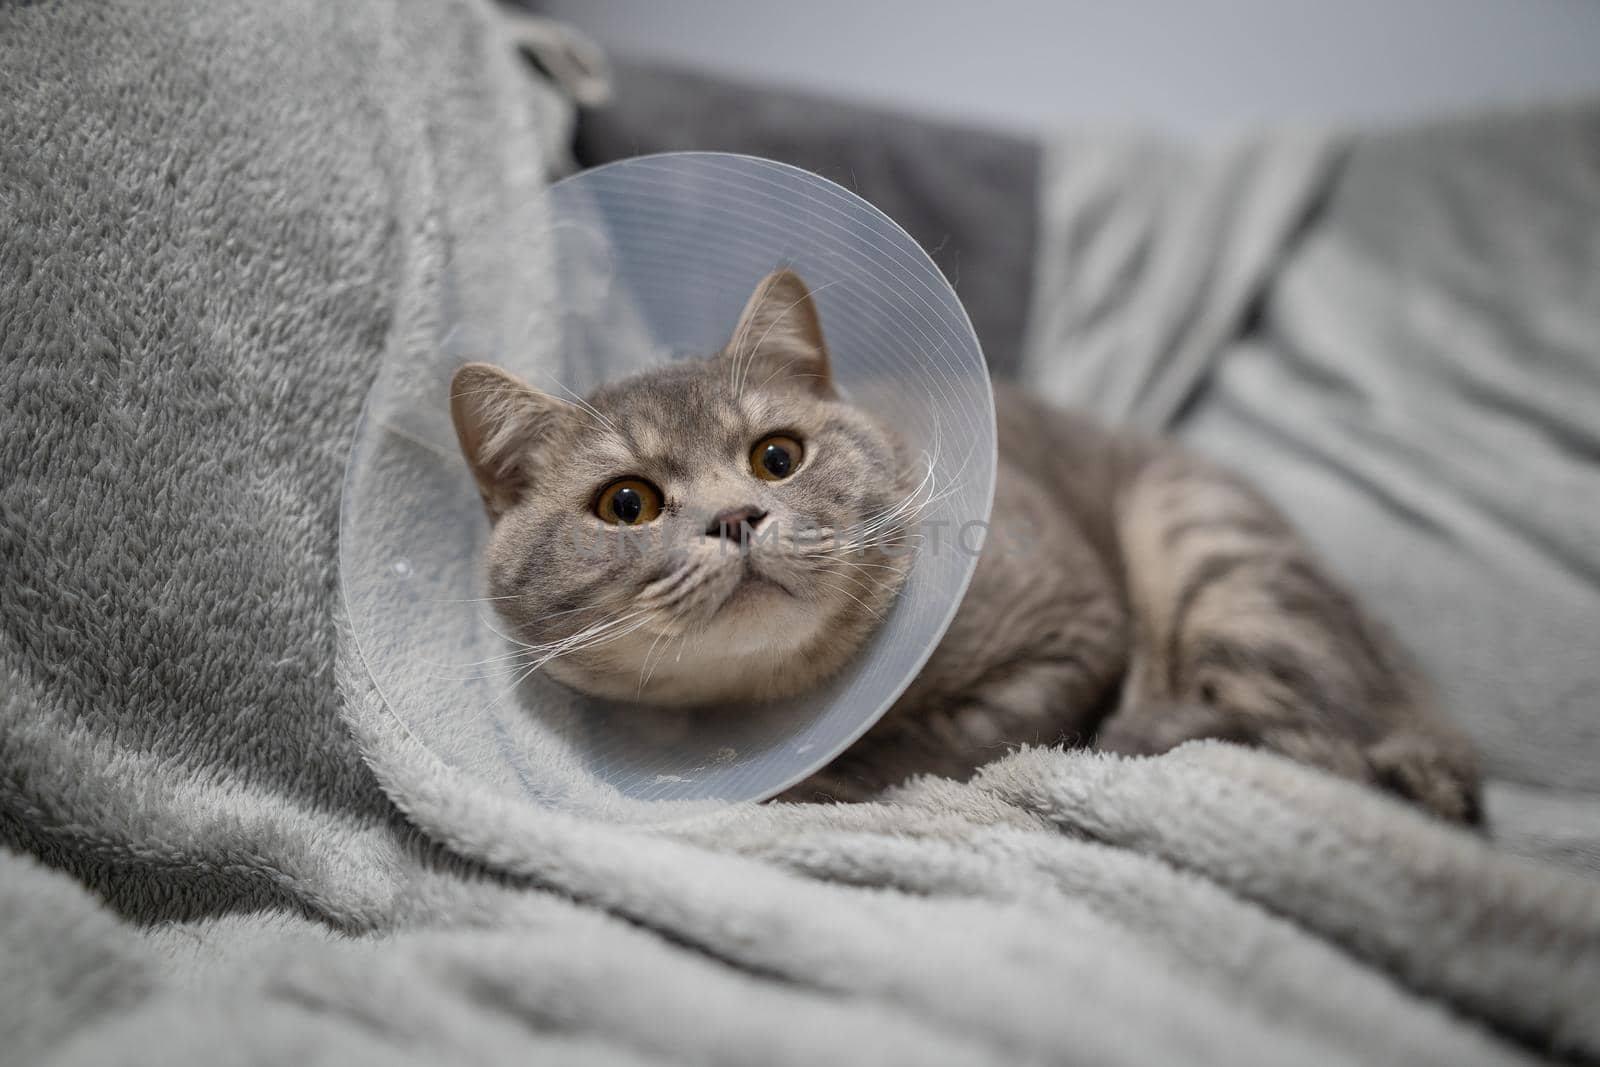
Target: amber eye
pixel 775 458
pixel 628 502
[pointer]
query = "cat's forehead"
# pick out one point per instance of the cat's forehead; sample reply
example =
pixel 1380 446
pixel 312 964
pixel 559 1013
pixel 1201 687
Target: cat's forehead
pixel 676 393
pixel 693 397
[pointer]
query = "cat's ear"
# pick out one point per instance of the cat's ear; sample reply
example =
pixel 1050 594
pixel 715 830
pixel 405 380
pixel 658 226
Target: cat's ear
pixel 499 420
pixel 779 336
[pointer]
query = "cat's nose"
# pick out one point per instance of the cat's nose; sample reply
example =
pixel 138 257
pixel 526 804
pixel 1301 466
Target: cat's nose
pixel 734 521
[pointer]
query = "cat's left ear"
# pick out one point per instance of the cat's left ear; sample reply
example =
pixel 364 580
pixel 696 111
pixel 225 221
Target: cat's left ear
pixel 779 336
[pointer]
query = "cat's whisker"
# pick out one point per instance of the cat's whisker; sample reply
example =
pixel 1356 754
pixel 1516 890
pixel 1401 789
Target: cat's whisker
pixel 869 581
pixel 487 675
pixel 863 565
pixel 502 658
pixel 579 402
pixel 515 653
pixel 520 646
pixel 872 612
pixel 865 589
pixel 513 640
pixel 768 379
pixel 568 611
pixel 594 634
pixel 513 660
pixel 910 511
pixel 645 669
pixel 634 622
pixel 585 637
pixel 681 640
pixel 912 501
pixel 897 540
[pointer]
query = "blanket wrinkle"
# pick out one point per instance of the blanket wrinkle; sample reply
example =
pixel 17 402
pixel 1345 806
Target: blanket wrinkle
pixel 218 223
pixel 1170 906
pixel 1520 920
pixel 1416 392
pixel 1153 259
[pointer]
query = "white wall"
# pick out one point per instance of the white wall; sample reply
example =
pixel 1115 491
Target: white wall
pixel 1198 67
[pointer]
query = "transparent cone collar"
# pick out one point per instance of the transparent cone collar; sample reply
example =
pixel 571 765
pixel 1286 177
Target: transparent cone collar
pixel 649 260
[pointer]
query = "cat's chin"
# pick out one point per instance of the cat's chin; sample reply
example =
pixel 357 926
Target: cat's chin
pixel 760 645
pixel 701 684
pixel 754 593
pixel 742 635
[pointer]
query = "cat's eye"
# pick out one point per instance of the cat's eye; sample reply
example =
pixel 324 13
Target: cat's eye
pixel 775 458
pixel 628 502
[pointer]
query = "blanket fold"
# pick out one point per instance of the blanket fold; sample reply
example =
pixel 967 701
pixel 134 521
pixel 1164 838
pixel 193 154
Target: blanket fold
pixel 1151 259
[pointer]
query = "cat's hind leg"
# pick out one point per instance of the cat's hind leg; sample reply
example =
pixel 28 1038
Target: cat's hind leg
pixel 1240 634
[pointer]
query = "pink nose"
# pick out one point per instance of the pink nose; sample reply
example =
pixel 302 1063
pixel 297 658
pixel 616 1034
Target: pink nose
pixel 733 522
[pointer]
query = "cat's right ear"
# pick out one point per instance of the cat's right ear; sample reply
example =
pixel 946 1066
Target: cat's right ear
pixel 499 420
pixel 779 336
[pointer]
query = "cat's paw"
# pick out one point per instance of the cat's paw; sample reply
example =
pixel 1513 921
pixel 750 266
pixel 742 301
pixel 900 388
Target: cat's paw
pixel 1434 774
pixel 1154 729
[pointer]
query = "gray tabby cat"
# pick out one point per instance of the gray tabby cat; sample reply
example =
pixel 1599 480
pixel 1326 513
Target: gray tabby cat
pixel 1164 600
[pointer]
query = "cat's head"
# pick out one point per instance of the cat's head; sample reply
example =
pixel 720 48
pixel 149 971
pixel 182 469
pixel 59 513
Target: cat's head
pixel 712 531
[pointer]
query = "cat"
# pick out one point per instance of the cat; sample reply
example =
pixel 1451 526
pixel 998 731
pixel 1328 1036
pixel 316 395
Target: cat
pixel 1161 598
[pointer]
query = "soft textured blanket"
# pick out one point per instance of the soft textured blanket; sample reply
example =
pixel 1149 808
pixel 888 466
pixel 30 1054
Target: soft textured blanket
pixel 1398 336
pixel 216 222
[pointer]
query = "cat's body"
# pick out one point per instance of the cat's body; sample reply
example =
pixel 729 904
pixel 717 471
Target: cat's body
pixel 1134 596
pixel 1144 598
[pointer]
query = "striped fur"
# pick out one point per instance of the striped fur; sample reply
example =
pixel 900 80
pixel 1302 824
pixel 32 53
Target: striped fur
pixel 1161 600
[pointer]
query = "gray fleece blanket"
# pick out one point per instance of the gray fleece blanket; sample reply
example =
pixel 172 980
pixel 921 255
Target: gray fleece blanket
pixel 216 223
pixel 1398 337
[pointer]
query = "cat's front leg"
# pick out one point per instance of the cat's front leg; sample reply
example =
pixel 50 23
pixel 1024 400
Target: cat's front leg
pixel 1052 696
